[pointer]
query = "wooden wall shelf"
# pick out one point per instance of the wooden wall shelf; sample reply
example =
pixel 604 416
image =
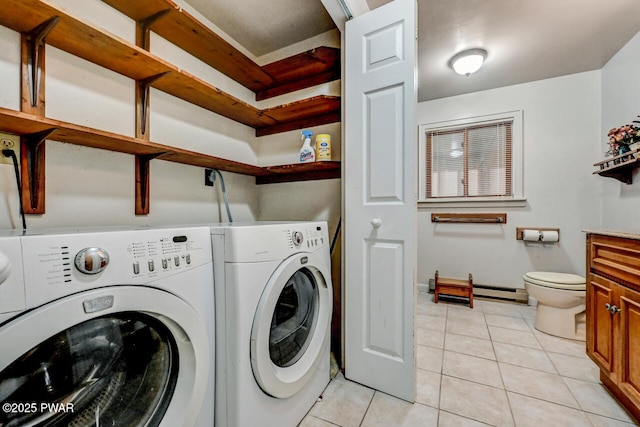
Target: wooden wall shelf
pixel 24 124
pixel 470 218
pixel 300 71
pixel 94 45
pixel 620 167
pixel 41 22
pixel 300 172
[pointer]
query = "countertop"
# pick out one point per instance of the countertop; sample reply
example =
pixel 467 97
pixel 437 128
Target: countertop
pixel 612 233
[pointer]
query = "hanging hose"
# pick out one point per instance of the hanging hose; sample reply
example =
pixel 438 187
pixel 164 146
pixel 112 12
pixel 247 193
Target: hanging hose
pixel 224 191
pixel 10 153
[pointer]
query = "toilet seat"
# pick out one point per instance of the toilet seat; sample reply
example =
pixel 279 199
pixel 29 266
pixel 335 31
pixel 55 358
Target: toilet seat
pixel 570 282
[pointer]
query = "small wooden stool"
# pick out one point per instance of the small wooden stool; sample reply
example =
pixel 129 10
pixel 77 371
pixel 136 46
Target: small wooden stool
pixel 454 287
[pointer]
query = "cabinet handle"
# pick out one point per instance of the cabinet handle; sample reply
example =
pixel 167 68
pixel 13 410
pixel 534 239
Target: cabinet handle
pixel 612 309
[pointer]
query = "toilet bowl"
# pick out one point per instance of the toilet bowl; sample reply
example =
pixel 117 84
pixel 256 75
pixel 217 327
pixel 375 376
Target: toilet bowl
pixel 561 303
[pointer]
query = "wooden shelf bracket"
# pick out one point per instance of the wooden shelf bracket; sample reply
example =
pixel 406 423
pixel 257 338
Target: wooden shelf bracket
pixel 142 182
pixel 35 41
pixel 143 104
pixel 32 161
pixel 145 26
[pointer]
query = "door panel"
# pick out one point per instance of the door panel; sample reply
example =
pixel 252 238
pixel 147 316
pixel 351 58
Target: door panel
pixel 384 147
pixel 380 208
pixel 600 345
pixel 384 321
pixel 630 343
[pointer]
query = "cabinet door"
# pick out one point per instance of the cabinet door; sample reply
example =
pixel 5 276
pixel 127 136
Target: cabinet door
pixel 600 324
pixel 629 318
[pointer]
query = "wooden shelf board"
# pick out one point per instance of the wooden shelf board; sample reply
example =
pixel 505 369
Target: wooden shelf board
pixel 306 69
pixel 183 30
pixel 94 45
pixel 300 124
pixel 622 171
pixel 300 172
pixel 83 40
pixel 19 123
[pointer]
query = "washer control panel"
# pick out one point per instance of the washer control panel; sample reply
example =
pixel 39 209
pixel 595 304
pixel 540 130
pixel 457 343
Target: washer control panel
pixel 163 254
pixel 61 264
pixel 307 236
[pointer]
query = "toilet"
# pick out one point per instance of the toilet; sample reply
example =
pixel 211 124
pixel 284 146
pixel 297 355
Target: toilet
pixel 561 303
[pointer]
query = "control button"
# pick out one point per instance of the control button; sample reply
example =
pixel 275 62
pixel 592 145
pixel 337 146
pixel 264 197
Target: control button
pixel 91 260
pixel 179 239
pixel 297 238
pixel 152 266
pixel 188 258
pixel 136 267
pixel 176 260
pixel 165 263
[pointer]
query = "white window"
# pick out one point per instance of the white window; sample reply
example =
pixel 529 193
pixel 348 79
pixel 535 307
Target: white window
pixel 472 160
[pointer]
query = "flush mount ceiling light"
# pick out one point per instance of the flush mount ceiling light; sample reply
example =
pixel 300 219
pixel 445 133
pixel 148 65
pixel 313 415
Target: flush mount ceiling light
pixel 468 62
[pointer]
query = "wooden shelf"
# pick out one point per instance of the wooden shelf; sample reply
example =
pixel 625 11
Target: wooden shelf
pixel 19 123
pixel 170 21
pixel 40 22
pixel 299 172
pixel 94 45
pixel 620 167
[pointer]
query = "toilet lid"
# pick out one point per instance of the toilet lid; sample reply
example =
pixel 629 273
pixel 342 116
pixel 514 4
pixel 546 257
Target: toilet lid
pixel 556 280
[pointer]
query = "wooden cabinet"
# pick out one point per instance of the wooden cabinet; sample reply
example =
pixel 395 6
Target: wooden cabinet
pixel 613 314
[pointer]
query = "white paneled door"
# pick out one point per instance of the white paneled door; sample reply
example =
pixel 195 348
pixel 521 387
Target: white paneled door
pixel 380 198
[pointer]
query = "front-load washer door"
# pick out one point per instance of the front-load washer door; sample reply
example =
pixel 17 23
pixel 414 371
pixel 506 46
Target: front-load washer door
pixel 291 325
pixel 125 356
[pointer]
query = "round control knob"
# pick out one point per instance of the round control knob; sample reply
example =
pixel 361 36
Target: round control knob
pixel 297 238
pixel 5 267
pixel 92 260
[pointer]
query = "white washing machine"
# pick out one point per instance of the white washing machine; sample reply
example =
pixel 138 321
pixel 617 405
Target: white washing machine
pixel 108 328
pixel 273 314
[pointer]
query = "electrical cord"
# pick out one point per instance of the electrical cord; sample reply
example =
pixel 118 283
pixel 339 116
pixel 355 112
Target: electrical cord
pixel 224 190
pixel 10 153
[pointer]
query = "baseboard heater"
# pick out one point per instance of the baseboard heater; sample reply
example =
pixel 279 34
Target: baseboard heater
pixel 520 296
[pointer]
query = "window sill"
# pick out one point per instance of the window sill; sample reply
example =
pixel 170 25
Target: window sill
pixel 465 203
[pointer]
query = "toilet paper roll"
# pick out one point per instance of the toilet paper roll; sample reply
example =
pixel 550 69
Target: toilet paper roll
pixel 531 235
pixel 549 236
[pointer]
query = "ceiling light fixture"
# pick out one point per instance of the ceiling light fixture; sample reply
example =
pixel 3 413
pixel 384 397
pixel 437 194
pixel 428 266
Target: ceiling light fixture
pixel 468 62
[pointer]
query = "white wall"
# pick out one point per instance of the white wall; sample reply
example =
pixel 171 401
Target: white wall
pixel 561 119
pixel 620 105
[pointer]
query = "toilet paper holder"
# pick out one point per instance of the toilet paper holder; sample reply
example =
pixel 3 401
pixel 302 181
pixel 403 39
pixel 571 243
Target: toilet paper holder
pixel 540 230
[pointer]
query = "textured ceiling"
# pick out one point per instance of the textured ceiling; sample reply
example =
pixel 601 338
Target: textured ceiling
pixel 526 40
pixel 264 26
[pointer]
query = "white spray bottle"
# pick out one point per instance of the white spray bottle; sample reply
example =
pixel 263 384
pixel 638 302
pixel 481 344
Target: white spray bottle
pixel 307 154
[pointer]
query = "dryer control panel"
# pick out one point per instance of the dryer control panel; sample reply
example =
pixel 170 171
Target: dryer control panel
pixel 61 264
pixel 272 241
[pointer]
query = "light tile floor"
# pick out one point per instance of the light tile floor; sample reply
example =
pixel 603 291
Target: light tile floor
pixel 478 367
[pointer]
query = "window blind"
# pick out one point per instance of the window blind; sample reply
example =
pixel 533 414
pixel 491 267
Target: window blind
pixel 470 161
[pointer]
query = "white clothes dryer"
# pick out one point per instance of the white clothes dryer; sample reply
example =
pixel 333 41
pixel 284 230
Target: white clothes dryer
pixel 116 328
pixel 273 315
